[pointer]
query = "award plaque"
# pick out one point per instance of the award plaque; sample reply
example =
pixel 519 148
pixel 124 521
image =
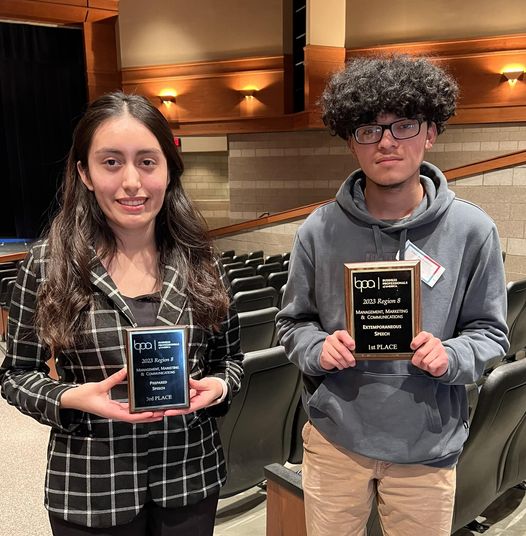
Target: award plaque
pixel 382 304
pixel 157 368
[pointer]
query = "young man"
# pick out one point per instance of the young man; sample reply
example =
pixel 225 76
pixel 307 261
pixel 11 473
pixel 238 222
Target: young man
pixel 391 430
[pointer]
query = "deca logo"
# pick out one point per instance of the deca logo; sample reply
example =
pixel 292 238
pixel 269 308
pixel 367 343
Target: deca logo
pixel 140 346
pixel 361 284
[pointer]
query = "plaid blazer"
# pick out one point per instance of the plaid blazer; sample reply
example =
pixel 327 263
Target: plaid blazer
pixel 100 472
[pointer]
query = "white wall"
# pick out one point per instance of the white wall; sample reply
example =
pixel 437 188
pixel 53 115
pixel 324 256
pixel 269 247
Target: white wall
pixel 160 32
pixel 375 22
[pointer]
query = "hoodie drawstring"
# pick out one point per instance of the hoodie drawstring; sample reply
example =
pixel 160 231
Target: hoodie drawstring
pixel 380 248
pixel 378 242
pixel 403 240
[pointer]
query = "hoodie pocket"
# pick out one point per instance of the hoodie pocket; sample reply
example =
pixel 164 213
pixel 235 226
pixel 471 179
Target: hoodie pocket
pixel 374 413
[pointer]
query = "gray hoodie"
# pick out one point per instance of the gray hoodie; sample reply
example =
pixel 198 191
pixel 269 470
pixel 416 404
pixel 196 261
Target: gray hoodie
pixel 391 410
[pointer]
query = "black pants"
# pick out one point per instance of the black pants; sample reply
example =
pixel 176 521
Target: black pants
pixel 193 520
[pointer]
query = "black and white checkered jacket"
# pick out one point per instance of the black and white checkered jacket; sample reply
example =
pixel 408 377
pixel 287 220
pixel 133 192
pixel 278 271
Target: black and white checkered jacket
pixel 100 471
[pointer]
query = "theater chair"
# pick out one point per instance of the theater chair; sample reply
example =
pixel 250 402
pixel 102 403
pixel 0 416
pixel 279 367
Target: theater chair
pixel 493 459
pixel 256 254
pixel 266 269
pixel 278 257
pixel 247 271
pixel 257 329
pixel 251 300
pixel 247 283
pixel 277 279
pixel 256 430
pixel 7 284
pixel 516 319
pixel 494 455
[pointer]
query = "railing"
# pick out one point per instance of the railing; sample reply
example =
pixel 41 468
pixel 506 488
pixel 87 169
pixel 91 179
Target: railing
pixel 461 172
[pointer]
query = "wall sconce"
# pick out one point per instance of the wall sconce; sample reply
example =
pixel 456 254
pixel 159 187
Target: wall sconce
pixel 513 76
pixel 166 99
pixel 248 93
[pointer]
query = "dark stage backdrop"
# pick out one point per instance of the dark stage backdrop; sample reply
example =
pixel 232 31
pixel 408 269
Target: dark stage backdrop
pixel 42 96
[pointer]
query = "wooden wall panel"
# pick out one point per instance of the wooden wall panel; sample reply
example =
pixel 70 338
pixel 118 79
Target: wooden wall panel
pixel 41 11
pixel 477 64
pixel 320 63
pixel 209 91
pixel 100 46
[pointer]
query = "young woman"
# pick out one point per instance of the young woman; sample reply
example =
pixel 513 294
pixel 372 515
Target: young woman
pixel 126 249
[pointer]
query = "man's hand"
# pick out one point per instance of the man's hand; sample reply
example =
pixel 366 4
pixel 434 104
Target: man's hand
pixel 336 351
pixel 429 354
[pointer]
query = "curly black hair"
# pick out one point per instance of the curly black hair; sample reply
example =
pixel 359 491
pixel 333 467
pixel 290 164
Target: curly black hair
pixel 405 86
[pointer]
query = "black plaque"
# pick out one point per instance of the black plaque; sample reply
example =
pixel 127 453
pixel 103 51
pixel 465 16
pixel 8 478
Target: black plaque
pixel 383 308
pixel 157 368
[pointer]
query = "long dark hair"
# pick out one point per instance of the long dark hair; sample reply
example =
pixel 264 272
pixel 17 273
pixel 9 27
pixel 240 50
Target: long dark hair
pixel 80 226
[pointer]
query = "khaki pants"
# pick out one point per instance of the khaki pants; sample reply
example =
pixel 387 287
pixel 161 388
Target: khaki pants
pixel 339 487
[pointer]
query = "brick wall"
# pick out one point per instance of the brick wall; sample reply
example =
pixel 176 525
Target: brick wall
pixel 276 171
pixel 205 180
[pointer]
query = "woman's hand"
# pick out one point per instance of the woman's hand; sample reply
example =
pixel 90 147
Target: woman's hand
pixel 203 393
pixel 93 397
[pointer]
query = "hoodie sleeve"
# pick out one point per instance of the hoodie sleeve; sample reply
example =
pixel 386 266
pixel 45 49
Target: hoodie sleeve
pixel 298 323
pixel 481 325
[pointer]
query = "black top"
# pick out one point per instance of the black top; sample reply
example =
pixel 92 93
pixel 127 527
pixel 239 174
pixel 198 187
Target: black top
pixel 144 308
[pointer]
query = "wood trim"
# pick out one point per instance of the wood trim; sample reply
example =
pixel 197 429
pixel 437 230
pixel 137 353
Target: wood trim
pixel 491 164
pixel 32 10
pixel 457 47
pixel 58 11
pixel 247 125
pixel 285 508
pixel 279 217
pixel 320 63
pixel 325 54
pixel 108 5
pixel 492 114
pixel 202 69
pixel 13 257
pixel 100 50
pixel 462 172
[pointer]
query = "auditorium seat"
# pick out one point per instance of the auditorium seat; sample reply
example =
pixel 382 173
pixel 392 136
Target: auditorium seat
pixel 494 456
pixel 286 265
pixel 280 296
pixel 488 466
pixel 233 265
pixel 256 254
pixel 251 300
pixel 257 329
pixel 8 273
pixel 240 258
pixel 247 283
pixel 253 262
pixel 278 257
pixel 246 271
pixel 516 319
pixel 286 256
pixel 266 269
pixel 277 279
pixel 256 430
pixel 228 254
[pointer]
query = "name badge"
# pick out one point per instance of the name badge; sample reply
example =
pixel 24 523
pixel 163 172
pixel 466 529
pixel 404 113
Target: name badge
pixel 430 270
pixel 157 368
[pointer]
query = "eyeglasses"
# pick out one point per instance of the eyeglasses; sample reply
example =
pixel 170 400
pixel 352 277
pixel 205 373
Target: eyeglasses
pixel 403 129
